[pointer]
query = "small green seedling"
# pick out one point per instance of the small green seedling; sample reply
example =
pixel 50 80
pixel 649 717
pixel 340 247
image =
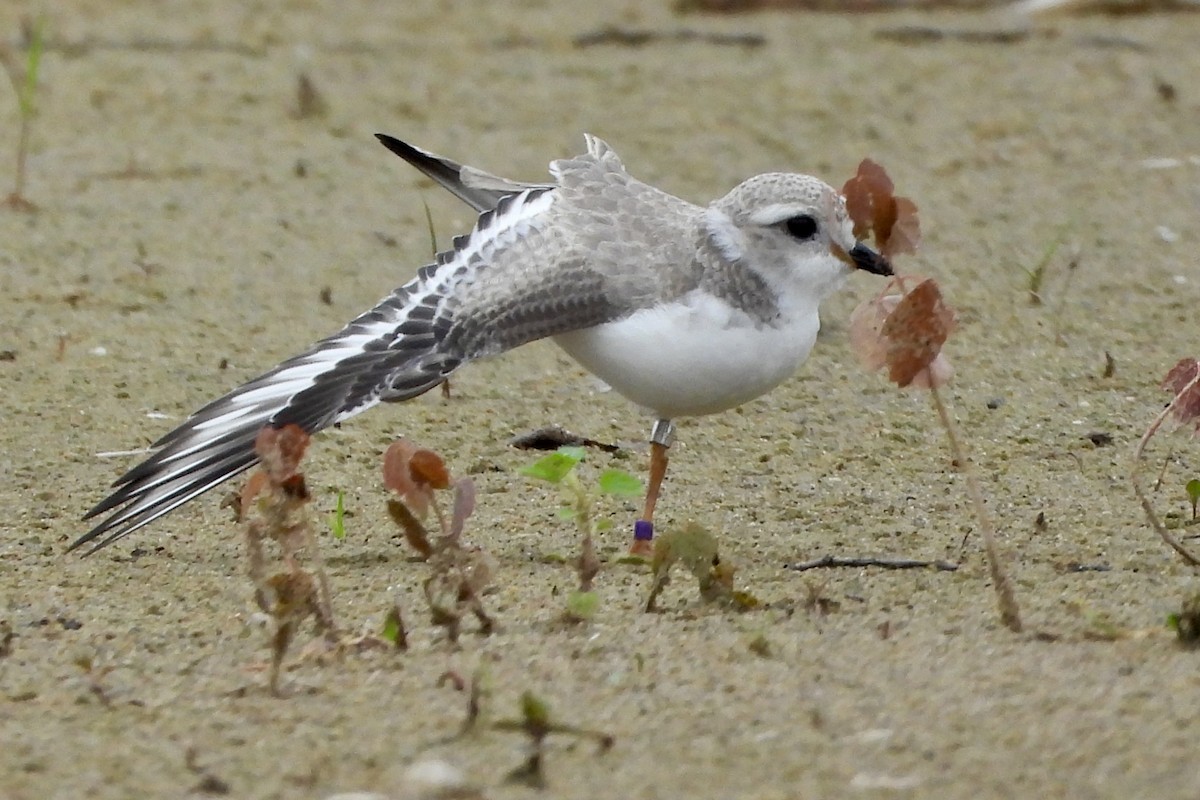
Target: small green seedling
pixel 580 507
pixel 24 83
pixel 337 520
pixel 582 606
pixel 537 723
pixel 1193 493
pixel 696 549
pixel 1186 623
pixel 393 628
pixel 1037 275
pixel 579 501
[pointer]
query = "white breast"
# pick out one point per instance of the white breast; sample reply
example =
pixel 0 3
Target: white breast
pixel 692 357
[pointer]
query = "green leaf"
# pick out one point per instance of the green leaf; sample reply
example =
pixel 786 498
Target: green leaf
pixel 393 629
pixel 33 59
pixel 535 711
pixel 566 512
pixel 337 521
pixel 556 466
pixel 620 483
pixel 582 605
pixel 693 546
pixel 1193 493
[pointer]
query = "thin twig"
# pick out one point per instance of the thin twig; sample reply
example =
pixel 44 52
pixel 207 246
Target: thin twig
pixel 885 563
pixel 1010 612
pixel 1162 473
pixel 1135 475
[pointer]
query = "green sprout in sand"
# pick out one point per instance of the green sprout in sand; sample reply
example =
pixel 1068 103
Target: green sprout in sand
pixel 24 82
pixel 693 547
pixel 579 506
pixel 337 520
pixel 537 723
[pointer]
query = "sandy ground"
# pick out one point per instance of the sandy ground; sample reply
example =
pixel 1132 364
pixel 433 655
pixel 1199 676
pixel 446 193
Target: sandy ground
pixel 188 223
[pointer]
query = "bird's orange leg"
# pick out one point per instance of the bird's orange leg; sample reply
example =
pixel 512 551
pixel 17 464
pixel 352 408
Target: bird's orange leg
pixel 643 529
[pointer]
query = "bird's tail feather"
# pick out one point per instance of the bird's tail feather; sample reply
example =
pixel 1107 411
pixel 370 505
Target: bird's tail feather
pixel 480 190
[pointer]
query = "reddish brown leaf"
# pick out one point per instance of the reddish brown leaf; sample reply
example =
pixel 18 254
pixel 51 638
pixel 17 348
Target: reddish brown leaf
pixel 869 187
pixel 427 468
pixel 295 487
pixel 875 210
pixel 414 532
pixel 281 450
pixel 1184 381
pixel 916 331
pixel 398 476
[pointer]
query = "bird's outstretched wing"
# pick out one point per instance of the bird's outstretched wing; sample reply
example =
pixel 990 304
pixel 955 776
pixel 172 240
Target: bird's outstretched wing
pixel 408 343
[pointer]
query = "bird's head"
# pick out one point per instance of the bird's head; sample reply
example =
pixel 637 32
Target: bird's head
pixel 794 231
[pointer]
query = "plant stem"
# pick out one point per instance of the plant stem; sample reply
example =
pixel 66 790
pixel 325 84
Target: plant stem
pixel 22 148
pixel 582 501
pixel 443 526
pixel 1010 612
pixel 1135 475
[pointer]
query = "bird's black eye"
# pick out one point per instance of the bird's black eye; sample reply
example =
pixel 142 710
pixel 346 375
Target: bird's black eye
pixel 802 227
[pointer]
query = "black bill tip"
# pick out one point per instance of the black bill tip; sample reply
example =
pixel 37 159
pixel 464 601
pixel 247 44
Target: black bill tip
pixel 865 258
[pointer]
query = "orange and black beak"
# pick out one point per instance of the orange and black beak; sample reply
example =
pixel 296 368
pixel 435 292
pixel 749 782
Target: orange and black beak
pixel 865 258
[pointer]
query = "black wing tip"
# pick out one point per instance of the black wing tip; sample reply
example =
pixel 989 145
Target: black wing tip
pixel 109 503
pixel 402 149
pixel 90 537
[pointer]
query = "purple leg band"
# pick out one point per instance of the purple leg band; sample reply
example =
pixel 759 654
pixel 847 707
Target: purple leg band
pixel 643 530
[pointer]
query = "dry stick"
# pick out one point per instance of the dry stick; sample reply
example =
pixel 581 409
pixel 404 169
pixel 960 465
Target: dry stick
pixel 885 563
pixel 1135 473
pixel 1162 473
pixel 1010 612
